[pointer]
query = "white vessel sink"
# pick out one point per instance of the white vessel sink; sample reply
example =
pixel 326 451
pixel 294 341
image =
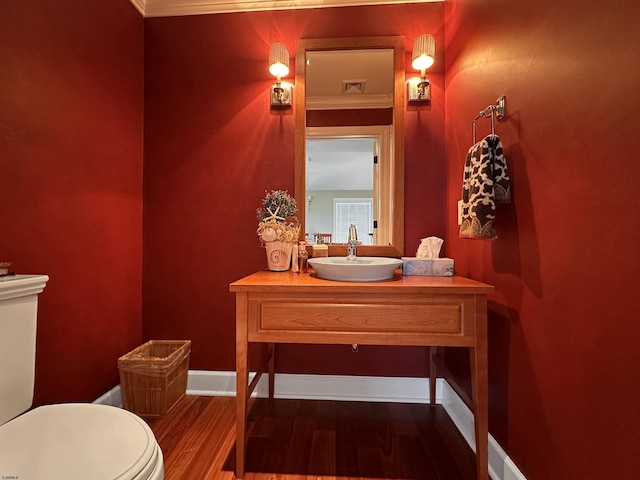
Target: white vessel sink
pixel 364 269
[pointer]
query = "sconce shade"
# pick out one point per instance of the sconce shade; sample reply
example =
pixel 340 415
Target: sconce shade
pixel 424 52
pixel 278 60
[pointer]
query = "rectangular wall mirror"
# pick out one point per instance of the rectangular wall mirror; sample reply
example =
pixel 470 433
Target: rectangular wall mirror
pixel 349 153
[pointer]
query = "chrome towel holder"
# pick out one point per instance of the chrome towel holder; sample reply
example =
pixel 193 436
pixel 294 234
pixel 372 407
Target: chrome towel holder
pixel 493 112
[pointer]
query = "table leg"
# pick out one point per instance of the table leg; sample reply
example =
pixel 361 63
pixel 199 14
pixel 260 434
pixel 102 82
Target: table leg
pixel 271 368
pixel 242 379
pixel 480 390
pixel 432 376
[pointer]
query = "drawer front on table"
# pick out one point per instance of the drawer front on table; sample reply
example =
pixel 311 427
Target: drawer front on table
pixel 356 317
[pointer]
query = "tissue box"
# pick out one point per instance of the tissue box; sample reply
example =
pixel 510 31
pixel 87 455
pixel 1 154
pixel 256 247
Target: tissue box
pixel 433 267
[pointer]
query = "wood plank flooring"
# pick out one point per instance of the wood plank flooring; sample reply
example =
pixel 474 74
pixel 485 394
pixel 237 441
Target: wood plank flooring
pixel 303 439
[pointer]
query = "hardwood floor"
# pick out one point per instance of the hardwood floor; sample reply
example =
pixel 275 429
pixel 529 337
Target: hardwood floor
pixel 295 439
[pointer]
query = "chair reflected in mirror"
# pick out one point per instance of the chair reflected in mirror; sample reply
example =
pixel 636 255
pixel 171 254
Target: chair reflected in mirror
pixel 323 238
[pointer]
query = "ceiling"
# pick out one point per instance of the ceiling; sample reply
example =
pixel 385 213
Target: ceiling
pixel 170 8
pixel 343 79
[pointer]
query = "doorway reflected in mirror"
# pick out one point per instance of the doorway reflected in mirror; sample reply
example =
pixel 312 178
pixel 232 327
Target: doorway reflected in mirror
pixel 348 182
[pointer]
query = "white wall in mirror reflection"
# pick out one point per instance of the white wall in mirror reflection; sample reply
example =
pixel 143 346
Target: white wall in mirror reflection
pixel 340 186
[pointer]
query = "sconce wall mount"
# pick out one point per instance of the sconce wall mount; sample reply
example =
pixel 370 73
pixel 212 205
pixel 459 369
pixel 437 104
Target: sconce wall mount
pixel 418 90
pixel 281 95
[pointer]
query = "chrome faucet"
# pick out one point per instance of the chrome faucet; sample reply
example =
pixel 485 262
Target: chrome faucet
pixel 352 242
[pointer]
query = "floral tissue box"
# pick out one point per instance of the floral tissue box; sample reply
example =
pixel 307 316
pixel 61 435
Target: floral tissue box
pixel 427 267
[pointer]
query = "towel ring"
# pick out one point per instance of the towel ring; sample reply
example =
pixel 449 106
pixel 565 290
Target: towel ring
pixel 492 111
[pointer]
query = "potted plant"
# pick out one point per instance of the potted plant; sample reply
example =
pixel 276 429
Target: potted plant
pixel 278 228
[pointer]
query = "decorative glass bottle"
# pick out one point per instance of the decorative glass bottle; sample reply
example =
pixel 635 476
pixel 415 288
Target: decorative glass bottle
pixel 303 258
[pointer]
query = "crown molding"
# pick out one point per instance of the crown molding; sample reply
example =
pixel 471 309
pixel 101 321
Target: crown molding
pixel 174 8
pixel 140 5
pixel 349 102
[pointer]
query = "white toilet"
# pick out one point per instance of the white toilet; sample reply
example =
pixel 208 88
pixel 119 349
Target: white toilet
pixel 76 441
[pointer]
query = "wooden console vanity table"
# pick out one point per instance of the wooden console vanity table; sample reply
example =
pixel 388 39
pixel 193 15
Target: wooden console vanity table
pixel 283 307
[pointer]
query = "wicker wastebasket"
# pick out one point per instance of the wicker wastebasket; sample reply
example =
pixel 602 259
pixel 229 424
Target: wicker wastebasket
pixel 153 377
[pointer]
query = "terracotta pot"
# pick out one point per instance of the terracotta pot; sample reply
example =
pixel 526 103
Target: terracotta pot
pixel 278 256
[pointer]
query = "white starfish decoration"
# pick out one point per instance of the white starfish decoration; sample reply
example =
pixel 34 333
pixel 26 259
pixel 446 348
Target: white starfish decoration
pixel 274 215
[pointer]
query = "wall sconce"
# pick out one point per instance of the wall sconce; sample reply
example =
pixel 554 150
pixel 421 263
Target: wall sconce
pixel 424 54
pixel 281 93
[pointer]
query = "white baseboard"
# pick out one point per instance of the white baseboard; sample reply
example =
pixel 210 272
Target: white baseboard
pixel 318 387
pixel 501 467
pixel 113 397
pixel 351 388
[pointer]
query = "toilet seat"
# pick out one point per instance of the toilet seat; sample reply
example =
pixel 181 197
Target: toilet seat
pixel 79 442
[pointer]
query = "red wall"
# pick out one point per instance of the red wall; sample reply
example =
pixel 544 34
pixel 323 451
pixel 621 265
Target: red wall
pixel 564 325
pixel 70 181
pixel 212 148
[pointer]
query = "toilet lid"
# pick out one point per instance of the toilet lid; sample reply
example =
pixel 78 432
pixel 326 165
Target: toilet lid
pixel 78 442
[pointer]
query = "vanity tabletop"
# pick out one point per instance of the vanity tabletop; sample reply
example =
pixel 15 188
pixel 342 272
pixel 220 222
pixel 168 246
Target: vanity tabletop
pixel 266 280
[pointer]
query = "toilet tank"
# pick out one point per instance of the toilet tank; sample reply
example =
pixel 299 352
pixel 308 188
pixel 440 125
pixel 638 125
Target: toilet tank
pixel 18 316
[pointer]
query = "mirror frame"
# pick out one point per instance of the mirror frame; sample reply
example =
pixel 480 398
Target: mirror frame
pixel 395 43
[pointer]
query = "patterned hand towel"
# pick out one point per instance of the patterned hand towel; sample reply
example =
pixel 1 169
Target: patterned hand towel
pixel 485 184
